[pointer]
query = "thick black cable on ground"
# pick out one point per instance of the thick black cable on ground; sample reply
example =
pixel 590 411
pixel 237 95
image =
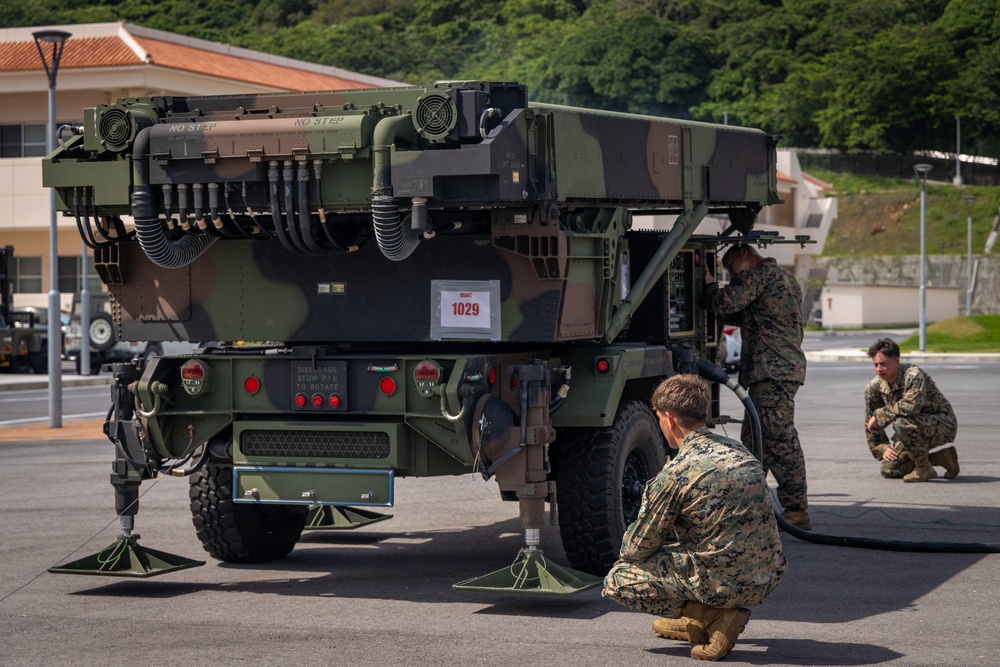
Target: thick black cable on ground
pixel 713 373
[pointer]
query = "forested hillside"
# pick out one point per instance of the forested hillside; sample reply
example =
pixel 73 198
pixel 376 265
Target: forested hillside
pixel 886 75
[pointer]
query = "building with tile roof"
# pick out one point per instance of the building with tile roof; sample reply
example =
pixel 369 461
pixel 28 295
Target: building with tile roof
pixel 102 62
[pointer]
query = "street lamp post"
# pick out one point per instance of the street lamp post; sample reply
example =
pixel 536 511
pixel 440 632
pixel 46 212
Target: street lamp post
pixel 958 151
pixel 921 171
pixel 57 40
pixel 969 199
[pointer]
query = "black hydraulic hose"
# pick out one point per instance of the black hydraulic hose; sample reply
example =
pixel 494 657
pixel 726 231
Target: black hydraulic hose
pixel 396 240
pixel 711 372
pixel 321 212
pixel 107 240
pixel 288 176
pixel 83 223
pixel 708 371
pixel 305 217
pixel 152 239
pixel 279 226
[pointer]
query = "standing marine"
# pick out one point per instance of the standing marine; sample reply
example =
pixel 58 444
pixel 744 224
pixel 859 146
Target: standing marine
pixel 765 301
pixel 905 397
pixel 705 544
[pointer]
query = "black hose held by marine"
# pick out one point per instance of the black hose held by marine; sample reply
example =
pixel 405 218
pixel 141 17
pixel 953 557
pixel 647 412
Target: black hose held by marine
pixel 713 373
pixel 148 227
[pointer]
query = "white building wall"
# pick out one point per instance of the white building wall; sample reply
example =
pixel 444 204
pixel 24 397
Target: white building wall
pixel 849 306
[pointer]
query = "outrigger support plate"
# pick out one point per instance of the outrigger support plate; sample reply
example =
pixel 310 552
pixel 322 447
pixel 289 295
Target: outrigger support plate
pixel 329 517
pixel 532 573
pixel 125 558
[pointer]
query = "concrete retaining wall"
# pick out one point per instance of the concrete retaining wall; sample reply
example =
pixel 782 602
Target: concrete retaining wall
pixel 947 271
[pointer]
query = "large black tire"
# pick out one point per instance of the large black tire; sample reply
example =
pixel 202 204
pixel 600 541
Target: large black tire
pixel 238 532
pixel 40 360
pixel 20 364
pixel 599 485
pixel 96 359
pixel 102 332
pixel 152 351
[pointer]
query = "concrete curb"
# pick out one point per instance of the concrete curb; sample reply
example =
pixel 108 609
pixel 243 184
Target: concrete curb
pixel 909 357
pixel 25 382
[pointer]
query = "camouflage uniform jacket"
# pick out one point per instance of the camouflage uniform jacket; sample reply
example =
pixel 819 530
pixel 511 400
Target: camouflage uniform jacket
pixel 708 516
pixel 765 303
pixel 912 394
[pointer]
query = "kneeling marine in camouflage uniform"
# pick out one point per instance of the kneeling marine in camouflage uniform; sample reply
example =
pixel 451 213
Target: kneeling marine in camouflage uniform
pixel 904 396
pixel 705 543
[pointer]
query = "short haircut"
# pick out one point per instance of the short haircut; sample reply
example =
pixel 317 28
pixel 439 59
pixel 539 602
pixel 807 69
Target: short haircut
pixel 731 254
pixel 686 397
pixel 886 346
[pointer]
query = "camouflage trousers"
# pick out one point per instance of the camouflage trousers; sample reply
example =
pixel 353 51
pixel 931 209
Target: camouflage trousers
pixel 775 403
pixel 914 437
pixel 648 586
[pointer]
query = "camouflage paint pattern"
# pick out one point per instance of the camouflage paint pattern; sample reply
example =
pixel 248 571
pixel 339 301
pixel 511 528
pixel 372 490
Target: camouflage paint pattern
pixel 921 417
pixel 528 209
pixel 705 532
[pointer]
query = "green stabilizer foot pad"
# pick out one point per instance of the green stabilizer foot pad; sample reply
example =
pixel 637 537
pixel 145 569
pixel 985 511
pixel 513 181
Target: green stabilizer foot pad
pixel 125 558
pixel 328 517
pixel 532 573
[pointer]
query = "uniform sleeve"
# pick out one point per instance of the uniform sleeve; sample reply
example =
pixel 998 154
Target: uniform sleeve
pixel 741 291
pixel 914 394
pixel 877 442
pixel 645 536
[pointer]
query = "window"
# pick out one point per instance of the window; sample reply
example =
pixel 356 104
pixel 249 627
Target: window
pixel 23 140
pixel 28 275
pixel 69 275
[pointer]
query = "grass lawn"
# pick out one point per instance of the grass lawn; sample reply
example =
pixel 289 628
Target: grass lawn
pixel 975 333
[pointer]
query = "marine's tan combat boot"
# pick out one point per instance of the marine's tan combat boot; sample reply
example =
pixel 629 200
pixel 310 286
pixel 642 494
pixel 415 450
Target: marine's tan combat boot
pixel 798 518
pixel 684 628
pixel 946 458
pixel 722 625
pixel 923 471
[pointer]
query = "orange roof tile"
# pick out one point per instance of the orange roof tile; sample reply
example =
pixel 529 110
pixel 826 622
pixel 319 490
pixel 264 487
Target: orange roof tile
pixel 111 52
pixel 190 59
pixel 782 176
pixel 815 181
pixel 77 54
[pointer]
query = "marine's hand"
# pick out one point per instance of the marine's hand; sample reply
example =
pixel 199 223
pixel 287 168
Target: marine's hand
pixel 873 425
pixel 889 454
pixel 709 278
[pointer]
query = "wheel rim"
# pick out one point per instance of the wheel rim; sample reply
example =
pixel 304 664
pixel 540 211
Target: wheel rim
pixel 634 476
pixel 100 332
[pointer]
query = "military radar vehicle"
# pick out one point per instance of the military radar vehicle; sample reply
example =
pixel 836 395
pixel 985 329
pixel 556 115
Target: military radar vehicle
pixel 416 281
pixel 24 340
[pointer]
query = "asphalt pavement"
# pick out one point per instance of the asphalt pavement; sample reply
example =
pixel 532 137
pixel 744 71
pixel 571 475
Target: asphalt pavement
pixel 383 594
